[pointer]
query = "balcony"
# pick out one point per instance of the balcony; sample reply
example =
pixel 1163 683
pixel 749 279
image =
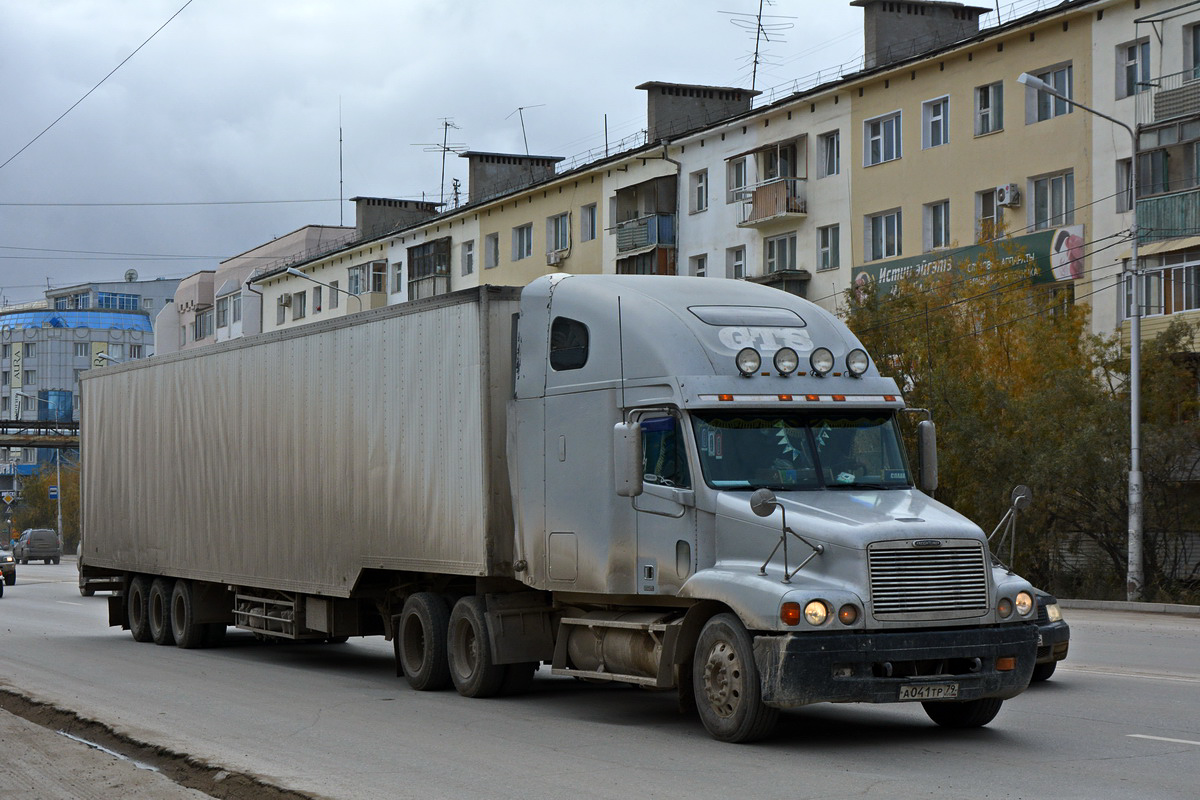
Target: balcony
pixel 1168 216
pixel 644 232
pixel 776 200
pixel 1169 97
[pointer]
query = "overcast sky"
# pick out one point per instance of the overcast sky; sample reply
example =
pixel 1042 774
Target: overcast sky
pixel 240 100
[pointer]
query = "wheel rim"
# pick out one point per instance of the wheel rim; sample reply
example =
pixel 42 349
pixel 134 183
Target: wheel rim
pixel 467 646
pixel 723 679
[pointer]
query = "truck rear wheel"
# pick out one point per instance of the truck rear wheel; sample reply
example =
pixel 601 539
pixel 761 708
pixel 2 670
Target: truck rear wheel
pixel 137 603
pixel 726 683
pixel 967 714
pixel 158 610
pixel 469 651
pixel 421 642
pixel 184 628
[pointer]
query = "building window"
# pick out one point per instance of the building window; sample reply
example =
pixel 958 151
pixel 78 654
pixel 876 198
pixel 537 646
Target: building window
pixel 1054 201
pixel 378 276
pixel 299 305
pixel 1124 185
pixel 587 223
pixel 235 308
pixel 83 350
pixel 699 265
pixel 735 262
pixel 467 257
pixel 29 377
pixel 136 351
pixel 1133 68
pixel 183 328
pixel 429 260
pixel 698 191
pixel 883 235
pixel 828 247
pixel 119 301
pixel 1153 172
pixel 1152 293
pixel 779 253
pixel 829 148
pixel 335 296
pixel 1193 49
pixel 989 108
pixel 397 277
pixel 735 180
pixel 937 225
pixel 986 216
pixel 222 312
pixel 882 137
pixel 316 299
pixel 934 117
pixel 147 303
pixel 30 350
pixel 522 242
pixel 4 378
pixel 356 279
pixel 558 233
pixel 491 251
pixel 1046 105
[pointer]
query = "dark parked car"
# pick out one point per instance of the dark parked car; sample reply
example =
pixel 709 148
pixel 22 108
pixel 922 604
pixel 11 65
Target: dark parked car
pixel 1054 636
pixel 8 568
pixel 38 543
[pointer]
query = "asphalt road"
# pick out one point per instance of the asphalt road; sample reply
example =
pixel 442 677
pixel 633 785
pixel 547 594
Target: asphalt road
pixel 1118 720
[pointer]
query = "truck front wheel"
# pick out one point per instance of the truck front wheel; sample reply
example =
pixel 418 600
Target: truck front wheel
pixel 470 653
pixel 726 683
pixel 137 608
pixel 421 642
pixel 968 714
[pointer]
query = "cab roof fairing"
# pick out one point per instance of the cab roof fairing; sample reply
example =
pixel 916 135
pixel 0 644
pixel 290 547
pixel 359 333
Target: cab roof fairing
pixel 658 336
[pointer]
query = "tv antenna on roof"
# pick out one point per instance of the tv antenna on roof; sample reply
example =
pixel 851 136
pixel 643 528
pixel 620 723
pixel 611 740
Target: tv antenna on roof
pixel 445 147
pixel 521 112
pixel 762 31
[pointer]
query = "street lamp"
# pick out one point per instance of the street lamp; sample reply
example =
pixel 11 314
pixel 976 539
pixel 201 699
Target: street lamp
pixel 57 466
pixel 1133 584
pixel 297 273
pixel 107 357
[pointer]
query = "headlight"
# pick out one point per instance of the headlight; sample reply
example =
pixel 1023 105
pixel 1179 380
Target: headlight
pixel 1025 603
pixel 857 361
pixel 786 360
pixel 748 361
pixel 816 612
pixel 821 361
pixel 1004 608
pixel 848 614
pixel 1053 613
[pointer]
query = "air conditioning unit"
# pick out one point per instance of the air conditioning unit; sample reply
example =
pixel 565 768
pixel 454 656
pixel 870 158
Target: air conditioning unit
pixel 285 300
pixel 1008 195
pixel 554 258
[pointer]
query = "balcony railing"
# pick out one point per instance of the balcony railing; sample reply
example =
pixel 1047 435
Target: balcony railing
pixel 654 229
pixel 774 199
pixel 1168 216
pixel 1169 97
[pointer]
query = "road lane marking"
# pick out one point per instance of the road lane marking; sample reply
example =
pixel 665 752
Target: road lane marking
pixel 1161 739
pixel 1129 673
pixel 68 603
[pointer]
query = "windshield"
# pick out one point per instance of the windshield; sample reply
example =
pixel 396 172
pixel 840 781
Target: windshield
pixel 795 451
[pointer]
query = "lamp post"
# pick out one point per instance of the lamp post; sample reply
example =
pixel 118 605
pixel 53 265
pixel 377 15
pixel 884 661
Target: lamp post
pixel 297 273
pixel 57 467
pixel 1133 582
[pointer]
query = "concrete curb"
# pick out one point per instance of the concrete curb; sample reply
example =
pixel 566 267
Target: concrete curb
pixel 1123 605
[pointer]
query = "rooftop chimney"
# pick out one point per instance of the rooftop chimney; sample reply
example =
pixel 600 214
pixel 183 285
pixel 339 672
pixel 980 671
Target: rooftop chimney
pixel 674 108
pixel 894 31
pixel 375 215
pixel 490 174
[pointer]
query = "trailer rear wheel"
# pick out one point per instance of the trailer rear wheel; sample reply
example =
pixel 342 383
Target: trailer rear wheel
pixel 469 651
pixel 726 683
pixel 421 642
pixel 158 610
pixel 185 630
pixel 967 714
pixel 137 603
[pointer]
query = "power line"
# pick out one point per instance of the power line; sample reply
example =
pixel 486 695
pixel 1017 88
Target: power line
pixel 94 88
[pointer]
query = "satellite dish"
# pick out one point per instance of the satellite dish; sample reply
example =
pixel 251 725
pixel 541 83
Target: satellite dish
pixel 1021 497
pixel 130 275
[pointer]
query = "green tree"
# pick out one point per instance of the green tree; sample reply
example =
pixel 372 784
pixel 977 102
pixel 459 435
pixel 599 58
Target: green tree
pixel 1023 394
pixel 37 510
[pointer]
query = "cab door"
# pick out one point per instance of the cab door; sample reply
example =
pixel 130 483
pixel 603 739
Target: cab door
pixel 666 508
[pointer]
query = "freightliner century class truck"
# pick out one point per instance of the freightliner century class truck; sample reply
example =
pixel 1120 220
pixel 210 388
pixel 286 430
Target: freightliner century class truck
pixel 673 482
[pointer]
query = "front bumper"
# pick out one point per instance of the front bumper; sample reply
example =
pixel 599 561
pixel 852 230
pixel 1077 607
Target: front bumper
pixel 1054 639
pixel 799 669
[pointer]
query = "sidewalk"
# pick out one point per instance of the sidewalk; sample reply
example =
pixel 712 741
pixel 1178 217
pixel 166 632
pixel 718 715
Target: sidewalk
pixel 1123 605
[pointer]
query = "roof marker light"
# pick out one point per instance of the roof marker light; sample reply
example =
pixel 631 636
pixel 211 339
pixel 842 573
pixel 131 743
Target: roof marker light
pixel 725 397
pixel 785 397
pixel 812 397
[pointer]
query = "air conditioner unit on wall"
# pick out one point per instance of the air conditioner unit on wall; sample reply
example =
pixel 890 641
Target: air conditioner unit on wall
pixel 554 258
pixel 1008 195
pixel 285 300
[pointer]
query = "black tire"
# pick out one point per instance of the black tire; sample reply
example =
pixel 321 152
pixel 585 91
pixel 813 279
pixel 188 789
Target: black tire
pixel 137 606
pixel 86 592
pixel 1042 672
pixel 186 632
pixel 56 560
pixel 967 714
pixel 469 651
pixel 727 684
pixel 11 579
pixel 518 678
pixel 214 634
pixel 421 642
pixel 158 611
pixel 47 560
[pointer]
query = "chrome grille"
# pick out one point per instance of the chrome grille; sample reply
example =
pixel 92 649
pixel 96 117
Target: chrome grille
pixel 908 580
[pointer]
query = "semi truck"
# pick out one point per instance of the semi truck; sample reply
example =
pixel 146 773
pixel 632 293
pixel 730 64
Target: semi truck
pixel 678 483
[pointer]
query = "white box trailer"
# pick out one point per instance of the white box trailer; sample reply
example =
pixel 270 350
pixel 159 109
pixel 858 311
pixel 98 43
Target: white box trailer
pixel 681 483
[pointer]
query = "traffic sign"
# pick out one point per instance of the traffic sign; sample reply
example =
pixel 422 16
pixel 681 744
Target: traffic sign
pixel 53 492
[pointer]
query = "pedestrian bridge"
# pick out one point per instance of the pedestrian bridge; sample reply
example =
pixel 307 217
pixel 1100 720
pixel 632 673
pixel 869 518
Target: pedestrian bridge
pixel 34 433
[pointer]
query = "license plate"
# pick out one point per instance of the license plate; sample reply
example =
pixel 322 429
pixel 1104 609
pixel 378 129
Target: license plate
pixel 929 691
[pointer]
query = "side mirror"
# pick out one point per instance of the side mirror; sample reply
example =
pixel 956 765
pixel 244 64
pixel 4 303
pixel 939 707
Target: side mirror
pixel 927 455
pixel 763 502
pixel 627 458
